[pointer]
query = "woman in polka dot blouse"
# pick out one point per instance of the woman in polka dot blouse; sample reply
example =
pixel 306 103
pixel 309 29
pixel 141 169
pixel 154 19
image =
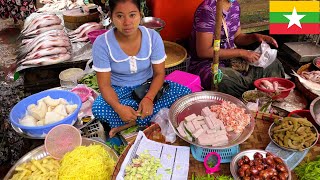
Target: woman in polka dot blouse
pixel 124 58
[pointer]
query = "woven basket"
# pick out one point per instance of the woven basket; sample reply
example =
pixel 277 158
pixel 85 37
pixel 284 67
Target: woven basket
pixel 176 54
pixel 308 94
pixel 153 132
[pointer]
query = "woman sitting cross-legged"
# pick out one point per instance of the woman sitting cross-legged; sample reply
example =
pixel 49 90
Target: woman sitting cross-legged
pixel 124 58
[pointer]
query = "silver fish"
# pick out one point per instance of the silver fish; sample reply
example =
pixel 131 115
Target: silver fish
pixel 47 60
pixel 44 23
pixel 51 32
pixel 79 29
pixel 51 43
pixel 46 44
pixel 85 31
pixel 312 86
pixel 37 18
pixel 46 52
pixel 80 39
pixel 27 48
pixel 42 30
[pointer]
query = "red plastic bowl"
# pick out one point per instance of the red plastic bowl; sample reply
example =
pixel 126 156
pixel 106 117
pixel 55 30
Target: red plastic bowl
pixel 306 114
pixel 92 35
pixel 282 82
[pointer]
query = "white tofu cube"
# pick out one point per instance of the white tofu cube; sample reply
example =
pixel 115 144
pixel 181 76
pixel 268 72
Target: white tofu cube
pixel 190 117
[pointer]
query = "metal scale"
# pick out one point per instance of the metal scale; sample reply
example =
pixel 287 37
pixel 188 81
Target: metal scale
pixel 303 52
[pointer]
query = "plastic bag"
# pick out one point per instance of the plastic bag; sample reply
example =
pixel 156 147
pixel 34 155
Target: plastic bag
pixel 88 69
pixel 267 57
pixel 162 118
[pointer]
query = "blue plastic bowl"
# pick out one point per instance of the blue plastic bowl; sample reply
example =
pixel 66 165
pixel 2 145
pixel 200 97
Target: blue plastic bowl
pixel 19 111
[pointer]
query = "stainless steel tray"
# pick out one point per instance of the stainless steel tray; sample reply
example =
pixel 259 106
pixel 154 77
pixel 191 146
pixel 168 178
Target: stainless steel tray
pixel 249 153
pixel 193 103
pixel 314 129
pixel 315 110
pixel 39 153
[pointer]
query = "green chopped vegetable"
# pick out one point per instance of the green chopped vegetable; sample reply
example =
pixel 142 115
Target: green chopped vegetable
pixel 211 177
pixel 309 170
pixel 130 130
pixel 144 167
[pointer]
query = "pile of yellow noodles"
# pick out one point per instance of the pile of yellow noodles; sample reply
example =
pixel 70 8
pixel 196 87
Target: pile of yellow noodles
pixel 91 162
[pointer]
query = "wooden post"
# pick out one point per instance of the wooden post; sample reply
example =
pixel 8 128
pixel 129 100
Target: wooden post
pixel 216 43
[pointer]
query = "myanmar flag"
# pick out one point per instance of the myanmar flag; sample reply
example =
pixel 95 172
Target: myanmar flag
pixel 294 17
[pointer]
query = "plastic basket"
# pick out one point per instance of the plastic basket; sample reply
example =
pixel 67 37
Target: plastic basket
pixel 82 92
pixel 227 154
pixel 182 66
pixel 94 130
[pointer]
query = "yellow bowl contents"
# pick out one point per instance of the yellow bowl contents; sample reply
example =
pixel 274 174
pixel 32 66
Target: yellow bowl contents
pixel 87 162
pixel 46 168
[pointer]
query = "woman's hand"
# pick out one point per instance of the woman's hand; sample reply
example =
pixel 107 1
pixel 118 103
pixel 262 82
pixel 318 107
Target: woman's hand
pixel 250 56
pixel 268 39
pixel 127 113
pixel 145 107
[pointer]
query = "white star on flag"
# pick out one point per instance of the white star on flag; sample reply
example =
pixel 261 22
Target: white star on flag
pixel 294 18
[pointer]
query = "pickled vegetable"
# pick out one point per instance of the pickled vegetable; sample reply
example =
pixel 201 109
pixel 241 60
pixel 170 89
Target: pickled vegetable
pixel 294 133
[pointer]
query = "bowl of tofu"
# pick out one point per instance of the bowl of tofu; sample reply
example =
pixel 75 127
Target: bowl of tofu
pixel 211 120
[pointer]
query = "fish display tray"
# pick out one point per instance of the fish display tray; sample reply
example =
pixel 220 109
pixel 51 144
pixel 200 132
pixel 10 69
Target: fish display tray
pixel 195 102
pixel 315 110
pixel 226 155
pixel 40 153
pixel 307 93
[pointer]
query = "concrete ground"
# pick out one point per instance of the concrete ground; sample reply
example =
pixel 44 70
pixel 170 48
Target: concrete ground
pixel 12 146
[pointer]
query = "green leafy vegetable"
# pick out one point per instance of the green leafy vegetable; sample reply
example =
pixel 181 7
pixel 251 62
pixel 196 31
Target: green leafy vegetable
pixel 91 81
pixel 119 149
pixel 211 177
pixel 309 170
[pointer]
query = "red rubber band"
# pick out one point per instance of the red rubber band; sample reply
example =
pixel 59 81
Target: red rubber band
pixel 148 98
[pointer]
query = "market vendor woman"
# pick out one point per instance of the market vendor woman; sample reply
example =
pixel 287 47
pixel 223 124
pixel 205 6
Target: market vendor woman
pixel 235 80
pixel 124 58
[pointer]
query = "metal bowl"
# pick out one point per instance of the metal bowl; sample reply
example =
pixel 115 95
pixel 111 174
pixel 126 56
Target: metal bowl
pixel 314 129
pixel 234 167
pixel 315 60
pixel 253 95
pixel 39 153
pixel 153 23
pixel 195 102
pixel 315 110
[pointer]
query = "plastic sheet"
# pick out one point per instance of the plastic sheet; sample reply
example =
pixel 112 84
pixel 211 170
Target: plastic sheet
pixel 162 118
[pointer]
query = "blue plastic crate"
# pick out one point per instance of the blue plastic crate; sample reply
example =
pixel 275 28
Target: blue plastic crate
pixel 226 155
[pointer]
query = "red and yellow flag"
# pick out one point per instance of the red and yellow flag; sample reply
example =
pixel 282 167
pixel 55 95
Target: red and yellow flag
pixel 294 17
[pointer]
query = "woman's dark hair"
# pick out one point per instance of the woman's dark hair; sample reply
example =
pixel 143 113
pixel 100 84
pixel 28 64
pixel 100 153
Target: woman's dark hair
pixel 113 3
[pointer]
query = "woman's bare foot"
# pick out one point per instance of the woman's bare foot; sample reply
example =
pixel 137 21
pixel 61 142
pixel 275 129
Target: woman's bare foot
pixel 115 130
